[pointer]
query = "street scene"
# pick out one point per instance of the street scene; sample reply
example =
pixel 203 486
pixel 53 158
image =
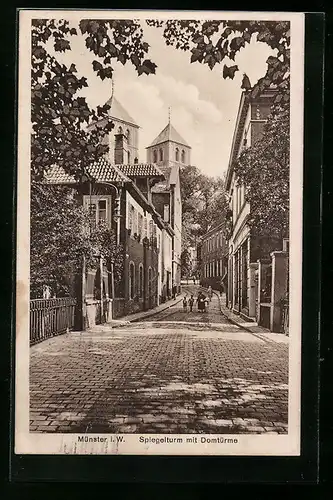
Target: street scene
pixel 174 372
pixel 159 226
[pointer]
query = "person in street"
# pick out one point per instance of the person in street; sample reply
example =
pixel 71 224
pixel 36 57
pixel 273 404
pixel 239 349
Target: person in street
pixel 185 304
pixel 201 302
pixel 191 302
pixel 194 280
pixel 210 293
pixel 174 290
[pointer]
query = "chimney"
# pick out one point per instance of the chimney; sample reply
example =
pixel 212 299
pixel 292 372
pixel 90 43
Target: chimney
pixel 119 149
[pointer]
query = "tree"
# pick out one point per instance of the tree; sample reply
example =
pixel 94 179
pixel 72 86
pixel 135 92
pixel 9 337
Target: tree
pixel 185 263
pixel 61 234
pixel 214 42
pixel 203 203
pixel 59 115
pixel 264 170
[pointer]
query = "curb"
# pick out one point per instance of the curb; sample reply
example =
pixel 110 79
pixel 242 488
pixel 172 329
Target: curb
pixel 152 313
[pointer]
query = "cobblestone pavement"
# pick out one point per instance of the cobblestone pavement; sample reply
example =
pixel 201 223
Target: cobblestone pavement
pixel 176 373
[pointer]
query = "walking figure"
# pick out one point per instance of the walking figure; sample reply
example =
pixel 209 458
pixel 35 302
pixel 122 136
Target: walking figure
pixel 201 302
pixel 184 304
pixel 210 293
pixel 191 302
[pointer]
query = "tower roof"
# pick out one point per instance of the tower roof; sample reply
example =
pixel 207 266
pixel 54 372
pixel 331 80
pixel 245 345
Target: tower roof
pixel 169 133
pixel 119 112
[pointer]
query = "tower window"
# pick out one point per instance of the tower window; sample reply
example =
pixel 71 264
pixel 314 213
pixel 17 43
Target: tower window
pixel 154 156
pixel 161 154
pixel 128 135
pixel 183 156
pixel 177 154
pixel 128 157
pixel 120 130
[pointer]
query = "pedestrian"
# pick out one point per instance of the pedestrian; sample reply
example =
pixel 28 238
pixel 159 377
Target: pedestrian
pixel 201 302
pixel 210 293
pixel 194 280
pixel 174 290
pixel 191 302
pixel 184 304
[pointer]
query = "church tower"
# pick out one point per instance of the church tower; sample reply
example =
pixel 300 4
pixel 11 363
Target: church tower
pixel 170 152
pixel 169 148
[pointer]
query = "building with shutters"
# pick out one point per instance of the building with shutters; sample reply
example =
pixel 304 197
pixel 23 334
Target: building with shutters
pixel 249 255
pixel 119 189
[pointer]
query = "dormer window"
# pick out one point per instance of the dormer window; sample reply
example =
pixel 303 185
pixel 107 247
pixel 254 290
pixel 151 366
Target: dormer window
pixel 155 156
pixel 120 130
pixel 177 154
pixel 183 156
pixel 161 154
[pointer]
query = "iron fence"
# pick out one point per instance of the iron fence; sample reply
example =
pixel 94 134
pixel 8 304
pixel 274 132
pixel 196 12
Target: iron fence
pixel 50 317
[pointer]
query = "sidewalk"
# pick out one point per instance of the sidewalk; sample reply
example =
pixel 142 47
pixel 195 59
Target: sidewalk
pixel 131 318
pixel 251 327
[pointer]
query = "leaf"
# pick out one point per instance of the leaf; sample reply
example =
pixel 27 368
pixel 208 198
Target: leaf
pixel 197 55
pixel 246 84
pixel 229 71
pixel 97 66
pixel 147 67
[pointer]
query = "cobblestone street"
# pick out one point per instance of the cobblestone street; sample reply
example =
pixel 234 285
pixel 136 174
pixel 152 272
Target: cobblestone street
pixel 176 372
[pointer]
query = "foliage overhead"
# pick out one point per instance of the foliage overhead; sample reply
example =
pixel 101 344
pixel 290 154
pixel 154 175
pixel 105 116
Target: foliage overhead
pixel 264 170
pixel 213 42
pixel 61 234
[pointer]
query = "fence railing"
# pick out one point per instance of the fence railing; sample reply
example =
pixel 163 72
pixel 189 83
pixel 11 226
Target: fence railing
pixel 50 317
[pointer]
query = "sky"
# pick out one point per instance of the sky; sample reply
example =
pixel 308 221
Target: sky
pixel 203 105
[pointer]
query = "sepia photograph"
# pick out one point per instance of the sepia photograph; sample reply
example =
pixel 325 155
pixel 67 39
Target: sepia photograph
pixel 159 232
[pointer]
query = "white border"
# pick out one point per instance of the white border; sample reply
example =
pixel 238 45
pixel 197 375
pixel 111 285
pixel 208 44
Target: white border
pixel 270 445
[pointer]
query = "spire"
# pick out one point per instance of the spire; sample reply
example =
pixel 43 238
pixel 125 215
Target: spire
pixel 169 119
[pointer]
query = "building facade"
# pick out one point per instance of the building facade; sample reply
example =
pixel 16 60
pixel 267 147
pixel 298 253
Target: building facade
pixel 246 249
pixel 169 151
pixel 213 257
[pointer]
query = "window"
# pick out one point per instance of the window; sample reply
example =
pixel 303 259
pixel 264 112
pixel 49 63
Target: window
pixel 131 284
pixel 140 224
pixel 154 156
pixel 141 281
pixel 151 231
pixel 161 154
pixel 183 156
pixel 120 130
pixel 128 135
pixel 98 208
pixel 135 221
pixel 131 217
pixel 128 157
pixel 177 154
pixel 166 213
pixel 145 229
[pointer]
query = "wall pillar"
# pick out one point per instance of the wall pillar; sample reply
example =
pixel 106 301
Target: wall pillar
pixel 253 267
pixel 279 289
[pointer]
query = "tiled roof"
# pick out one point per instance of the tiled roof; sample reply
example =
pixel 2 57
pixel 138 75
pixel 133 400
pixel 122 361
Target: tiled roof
pixel 100 171
pixel 169 133
pixel 141 170
pixel 119 112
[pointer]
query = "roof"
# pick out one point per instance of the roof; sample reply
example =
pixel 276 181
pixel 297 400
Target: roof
pixel 119 112
pixel 170 174
pixel 101 171
pixel 141 170
pixel 169 133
